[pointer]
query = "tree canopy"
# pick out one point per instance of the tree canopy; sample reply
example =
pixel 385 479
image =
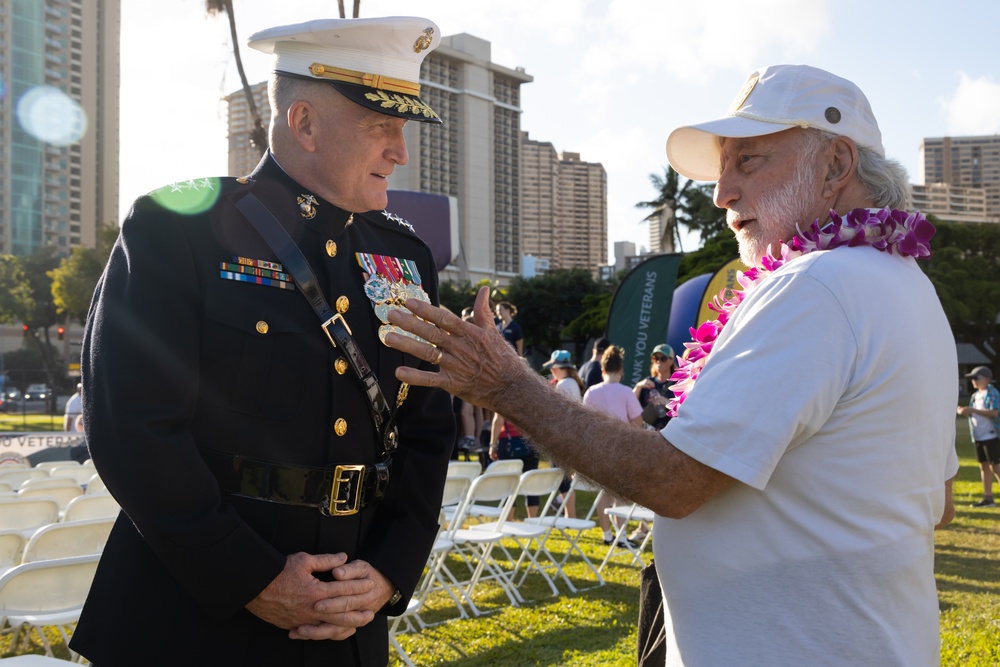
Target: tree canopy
pixel 965 271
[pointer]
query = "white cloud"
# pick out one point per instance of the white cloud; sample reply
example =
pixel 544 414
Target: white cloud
pixel 972 109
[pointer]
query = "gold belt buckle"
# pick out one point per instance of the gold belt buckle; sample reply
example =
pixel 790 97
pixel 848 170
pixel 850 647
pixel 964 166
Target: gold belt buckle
pixel 344 475
pixel 330 321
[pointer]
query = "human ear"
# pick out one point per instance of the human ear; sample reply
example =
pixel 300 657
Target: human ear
pixel 842 165
pixel 302 124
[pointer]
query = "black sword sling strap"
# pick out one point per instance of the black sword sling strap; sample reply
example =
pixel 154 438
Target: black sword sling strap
pixel 333 324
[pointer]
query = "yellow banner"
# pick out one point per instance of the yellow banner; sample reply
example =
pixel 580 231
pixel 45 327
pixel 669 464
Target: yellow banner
pixel 724 279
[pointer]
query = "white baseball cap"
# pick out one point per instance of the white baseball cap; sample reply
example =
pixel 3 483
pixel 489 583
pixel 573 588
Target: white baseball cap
pixel 374 62
pixel 774 99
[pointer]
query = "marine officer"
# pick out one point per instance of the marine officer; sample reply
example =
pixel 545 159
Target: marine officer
pixel 278 484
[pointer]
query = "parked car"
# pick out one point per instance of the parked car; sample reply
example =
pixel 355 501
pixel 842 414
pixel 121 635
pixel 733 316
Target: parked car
pixel 10 399
pixel 37 392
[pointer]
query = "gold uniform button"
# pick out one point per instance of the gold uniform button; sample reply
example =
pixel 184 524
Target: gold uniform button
pixel 331 248
pixel 343 303
pixel 340 365
pixel 340 426
pixel 262 327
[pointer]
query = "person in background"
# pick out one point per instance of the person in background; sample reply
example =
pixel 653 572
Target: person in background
pixel 280 487
pixel 812 454
pixel 507 442
pixel 614 398
pixel 984 427
pixel 568 381
pixel 74 408
pixel 509 329
pixel 590 371
pixel 655 390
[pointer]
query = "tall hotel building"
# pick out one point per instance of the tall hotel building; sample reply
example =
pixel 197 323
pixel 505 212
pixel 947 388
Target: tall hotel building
pixel 966 165
pixel 58 122
pixel 564 207
pixel 474 156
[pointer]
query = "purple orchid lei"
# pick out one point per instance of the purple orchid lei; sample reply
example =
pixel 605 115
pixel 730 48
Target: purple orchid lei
pixel 887 230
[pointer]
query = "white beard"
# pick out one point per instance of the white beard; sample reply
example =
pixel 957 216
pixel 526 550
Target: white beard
pixel 777 214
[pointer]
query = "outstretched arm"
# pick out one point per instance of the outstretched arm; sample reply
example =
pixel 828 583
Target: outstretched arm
pixel 476 366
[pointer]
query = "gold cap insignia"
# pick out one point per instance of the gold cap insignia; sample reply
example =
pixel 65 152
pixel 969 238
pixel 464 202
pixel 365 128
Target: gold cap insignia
pixel 744 93
pixel 424 41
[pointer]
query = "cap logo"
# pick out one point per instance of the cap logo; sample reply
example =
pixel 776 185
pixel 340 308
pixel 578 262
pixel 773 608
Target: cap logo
pixel 832 115
pixel 424 41
pixel 744 93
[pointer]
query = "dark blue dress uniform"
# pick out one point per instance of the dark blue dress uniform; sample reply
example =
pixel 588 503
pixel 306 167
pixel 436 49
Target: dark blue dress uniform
pixel 183 366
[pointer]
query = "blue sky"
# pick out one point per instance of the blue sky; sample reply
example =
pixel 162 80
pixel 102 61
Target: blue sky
pixel 612 77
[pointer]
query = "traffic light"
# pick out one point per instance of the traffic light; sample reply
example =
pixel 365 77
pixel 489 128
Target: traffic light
pixel 24 328
pixel 61 332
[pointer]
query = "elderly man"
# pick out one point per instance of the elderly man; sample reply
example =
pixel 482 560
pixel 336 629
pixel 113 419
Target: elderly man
pixel 278 483
pixel 798 487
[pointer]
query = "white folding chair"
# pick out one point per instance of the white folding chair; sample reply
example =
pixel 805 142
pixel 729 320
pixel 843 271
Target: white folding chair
pixel 484 512
pixel 475 547
pixel 437 576
pixel 49 465
pixel 91 506
pixel 44 593
pixel 26 515
pixel 81 473
pixel 62 495
pixel 411 611
pixel 571 530
pixel 11 548
pixel 68 539
pixel 506 465
pixel 543 482
pixel 35 660
pixel 626 513
pixel 49 483
pixel 16 476
pixel 469 469
pixel 95 485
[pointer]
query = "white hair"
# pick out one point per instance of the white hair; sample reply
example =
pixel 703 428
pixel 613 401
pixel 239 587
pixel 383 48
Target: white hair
pixel 885 180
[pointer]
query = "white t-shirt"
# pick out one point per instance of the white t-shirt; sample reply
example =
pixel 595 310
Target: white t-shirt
pixel 830 395
pixel 569 387
pixel 74 405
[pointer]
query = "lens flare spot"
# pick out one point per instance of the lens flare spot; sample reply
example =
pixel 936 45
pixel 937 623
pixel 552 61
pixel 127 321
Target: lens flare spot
pixel 188 197
pixel 51 116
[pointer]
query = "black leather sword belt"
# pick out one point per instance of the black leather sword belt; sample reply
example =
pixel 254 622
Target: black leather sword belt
pixel 338 490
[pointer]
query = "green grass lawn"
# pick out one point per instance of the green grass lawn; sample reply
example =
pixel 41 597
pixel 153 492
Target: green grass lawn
pixel 596 628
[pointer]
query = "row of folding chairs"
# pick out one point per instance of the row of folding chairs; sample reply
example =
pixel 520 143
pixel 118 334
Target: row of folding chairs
pixel 28 514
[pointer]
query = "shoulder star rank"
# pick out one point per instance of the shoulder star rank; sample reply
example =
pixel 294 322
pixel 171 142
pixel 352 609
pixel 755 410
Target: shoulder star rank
pixel 389 282
pixel 398 220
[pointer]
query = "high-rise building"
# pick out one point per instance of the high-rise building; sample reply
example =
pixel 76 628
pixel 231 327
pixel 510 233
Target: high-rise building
pixel 243 156
pixel 965 162
pixel 474 156
pixel 59 80
pixel 951 203
pixel 564 207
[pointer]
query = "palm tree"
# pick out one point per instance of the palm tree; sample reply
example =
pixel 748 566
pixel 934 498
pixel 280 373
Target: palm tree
pixel 670 201
pixel 258 135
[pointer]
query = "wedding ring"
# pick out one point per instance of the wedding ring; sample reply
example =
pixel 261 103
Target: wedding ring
pixel 437 360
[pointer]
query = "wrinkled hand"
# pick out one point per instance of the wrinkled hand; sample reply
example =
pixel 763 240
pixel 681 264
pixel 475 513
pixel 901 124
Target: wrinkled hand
pixel 290 600
pixel 365 591
pixel 477 364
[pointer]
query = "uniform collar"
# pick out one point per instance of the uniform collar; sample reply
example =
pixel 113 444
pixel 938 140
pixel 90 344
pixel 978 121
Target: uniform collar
pixel 327 219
